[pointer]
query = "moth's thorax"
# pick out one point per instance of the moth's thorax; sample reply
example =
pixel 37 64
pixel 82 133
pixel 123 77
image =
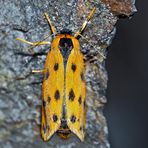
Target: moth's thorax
pixel 65 43
pixel 65 40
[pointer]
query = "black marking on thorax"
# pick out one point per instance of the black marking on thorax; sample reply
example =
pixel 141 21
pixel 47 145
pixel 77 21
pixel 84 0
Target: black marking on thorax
pixel 65 45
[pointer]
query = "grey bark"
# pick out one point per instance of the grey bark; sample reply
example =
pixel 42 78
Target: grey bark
pixel 20 91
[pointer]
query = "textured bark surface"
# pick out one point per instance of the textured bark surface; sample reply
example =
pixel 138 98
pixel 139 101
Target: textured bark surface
pixel 20 91
pixel 121 7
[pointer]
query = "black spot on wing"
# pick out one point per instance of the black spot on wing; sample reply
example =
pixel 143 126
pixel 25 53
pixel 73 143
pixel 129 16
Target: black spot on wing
pixel 55 118
pixel 71 95
pixel 73 119
pixel 80 100
pixel 73 67
pixel 57 95
pixel 56 66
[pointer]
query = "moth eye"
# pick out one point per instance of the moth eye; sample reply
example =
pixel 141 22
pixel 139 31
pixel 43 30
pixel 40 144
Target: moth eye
pixel 73 119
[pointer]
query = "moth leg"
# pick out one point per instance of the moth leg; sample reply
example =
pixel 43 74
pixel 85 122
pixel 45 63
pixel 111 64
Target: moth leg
pixel 53 30
pixel 33 43
pixel 38 71
pixel 85 23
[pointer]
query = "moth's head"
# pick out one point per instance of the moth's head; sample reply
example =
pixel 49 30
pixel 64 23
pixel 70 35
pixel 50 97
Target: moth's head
pixel 66 31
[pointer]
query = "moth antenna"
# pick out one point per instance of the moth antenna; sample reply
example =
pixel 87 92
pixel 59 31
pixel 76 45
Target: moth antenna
pixel 35 44
pixel 85 22
pixel 53 30
pixel 42 42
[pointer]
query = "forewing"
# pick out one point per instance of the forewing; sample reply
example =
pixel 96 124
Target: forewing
pixel 75 93
pixel 52 93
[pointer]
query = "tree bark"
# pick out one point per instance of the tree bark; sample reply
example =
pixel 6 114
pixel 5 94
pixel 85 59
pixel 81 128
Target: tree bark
pixel 20 91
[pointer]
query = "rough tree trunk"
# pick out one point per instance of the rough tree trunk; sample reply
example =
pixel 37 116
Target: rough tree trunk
pixel 20 91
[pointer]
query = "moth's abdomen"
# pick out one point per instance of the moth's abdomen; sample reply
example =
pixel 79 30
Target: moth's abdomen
pixel 64 131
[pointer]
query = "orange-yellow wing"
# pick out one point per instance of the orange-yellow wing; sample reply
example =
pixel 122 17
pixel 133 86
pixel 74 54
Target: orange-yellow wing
pixel 52 92
pixel 75 91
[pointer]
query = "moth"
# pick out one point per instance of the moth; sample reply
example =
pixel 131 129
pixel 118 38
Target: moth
pixel 63 88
